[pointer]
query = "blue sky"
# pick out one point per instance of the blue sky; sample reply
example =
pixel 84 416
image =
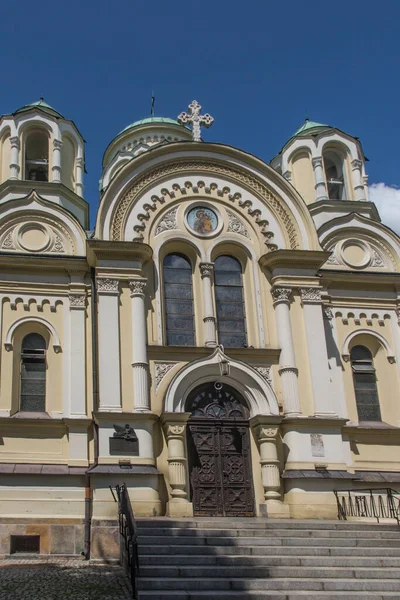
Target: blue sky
pixel 258 67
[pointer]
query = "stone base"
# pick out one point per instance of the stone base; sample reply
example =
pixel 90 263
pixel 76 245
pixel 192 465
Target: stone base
pixel 179 509
pixel 57 536
pixel 277 509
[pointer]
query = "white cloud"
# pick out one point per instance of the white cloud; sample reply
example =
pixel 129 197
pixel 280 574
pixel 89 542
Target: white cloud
pixel 387 200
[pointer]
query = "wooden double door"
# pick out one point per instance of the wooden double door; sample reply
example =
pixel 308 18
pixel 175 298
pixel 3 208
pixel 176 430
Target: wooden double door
pixel 220 467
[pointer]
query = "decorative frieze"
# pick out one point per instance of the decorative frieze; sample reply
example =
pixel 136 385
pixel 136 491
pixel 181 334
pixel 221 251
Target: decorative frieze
pixel 77 300
pixel 328 312
pixel 168 221
pixel 235 225
pixel 107 285
pixel 161 370
pixel 310 295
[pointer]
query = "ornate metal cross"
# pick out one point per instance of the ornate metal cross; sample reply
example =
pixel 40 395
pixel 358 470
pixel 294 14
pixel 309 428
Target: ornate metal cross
pixel 196 120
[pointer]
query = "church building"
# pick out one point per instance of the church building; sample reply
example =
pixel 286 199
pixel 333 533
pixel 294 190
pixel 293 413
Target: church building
pixel 226 341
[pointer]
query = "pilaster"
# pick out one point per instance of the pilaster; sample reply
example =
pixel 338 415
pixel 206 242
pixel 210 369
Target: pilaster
pixel 77 306
pixel 140 365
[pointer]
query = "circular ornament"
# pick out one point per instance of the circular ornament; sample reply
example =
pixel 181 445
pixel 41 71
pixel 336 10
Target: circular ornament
pixel 34 237
pixel 355 253
pixel 202 220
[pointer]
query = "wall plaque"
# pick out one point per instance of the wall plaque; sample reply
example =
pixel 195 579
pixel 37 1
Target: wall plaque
pixel 124 441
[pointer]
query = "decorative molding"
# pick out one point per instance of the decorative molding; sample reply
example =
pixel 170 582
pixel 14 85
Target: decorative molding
pixel 8 343
pixel 137 287
pixel 328 312
pixel 317 444
pixel 377 260
pixel 346 345
pixel 8 242
pixel 123 208
pixel 311 295
pixel 332 260
pixel 267 432
pixel 206 269
pixel 317 162
pixel 168 222
pixel 77 300
pixel 356 164
pixel 235 225
pixel 281 294
pixel 288 176
pixel 57 144
pixel 161 370
pixel 174 430
pixel 266 373
pixel 58 246
pixel 107 285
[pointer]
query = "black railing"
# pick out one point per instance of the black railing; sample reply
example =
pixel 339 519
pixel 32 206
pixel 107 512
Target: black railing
pixel 382 503
pixel 129 555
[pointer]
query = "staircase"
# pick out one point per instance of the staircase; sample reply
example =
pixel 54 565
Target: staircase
pixel 263 559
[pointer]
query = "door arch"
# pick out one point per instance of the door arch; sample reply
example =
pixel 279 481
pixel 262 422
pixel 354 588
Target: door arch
pixel 218 439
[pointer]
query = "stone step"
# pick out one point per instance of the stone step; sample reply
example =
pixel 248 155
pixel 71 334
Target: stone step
pixel 231 572
pixel 256 541
pixel 259 523
pixel 259 595
pixel 285 584
pixel 187 550
pixel 273 533
pixel 270 561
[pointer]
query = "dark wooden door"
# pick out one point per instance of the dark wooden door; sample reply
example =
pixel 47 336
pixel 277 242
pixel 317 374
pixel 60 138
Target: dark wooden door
pixel 220 467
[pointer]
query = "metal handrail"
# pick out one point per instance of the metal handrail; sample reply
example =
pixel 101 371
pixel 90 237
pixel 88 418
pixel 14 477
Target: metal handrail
pixel 128 535
pixel 377 503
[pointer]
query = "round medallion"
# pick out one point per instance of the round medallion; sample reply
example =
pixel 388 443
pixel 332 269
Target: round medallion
pixel 33 237
pixel 202 220
pixel 355 253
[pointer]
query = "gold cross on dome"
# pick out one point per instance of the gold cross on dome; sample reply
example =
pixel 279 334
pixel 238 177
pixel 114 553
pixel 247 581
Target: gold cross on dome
pixel 196 119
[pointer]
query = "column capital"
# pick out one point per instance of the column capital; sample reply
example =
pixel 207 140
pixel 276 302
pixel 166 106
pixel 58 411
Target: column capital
pixel 206 269
pixel 77 300
pixel 14 141
pixel 356 164
pixel 107 285
pixel 310 295
pixel 137 287
pixel 57 144
pixel 328 312
pixel 317 161
pixel 80 162
pixel 288 175
pixel 281 294
pixel 174 424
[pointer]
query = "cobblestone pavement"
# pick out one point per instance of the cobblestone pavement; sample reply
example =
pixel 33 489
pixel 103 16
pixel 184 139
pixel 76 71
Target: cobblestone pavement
pixel 61 578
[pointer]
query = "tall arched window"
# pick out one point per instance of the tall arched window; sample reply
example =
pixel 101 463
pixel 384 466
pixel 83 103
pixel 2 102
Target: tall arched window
pixel 365 384
pixel 37 156
pixel 231 320
pixel 333 165
pixel 33 373
pixel 178 300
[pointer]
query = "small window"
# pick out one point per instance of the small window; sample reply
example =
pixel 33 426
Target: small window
pixel 365 387
pixel 33 374
pixel 37 156
pixel 178 301
pixel 25 544
pixel 231 321
pixel 333 165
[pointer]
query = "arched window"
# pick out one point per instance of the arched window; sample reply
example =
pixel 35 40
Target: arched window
pixel 37 156
pixel 178 299
pixel 365 384
pixel 33 373
pixel 333 165
pixel 231 320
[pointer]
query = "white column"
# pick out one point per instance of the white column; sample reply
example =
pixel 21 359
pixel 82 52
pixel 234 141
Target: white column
pixel 287 362
pixel 359 191
pixel 140 365
pixel 109 345
pixel 206 270
pixel 175 433
pixel 56 169
pixel 320 185
pixel 80 169
pixel 335 361
pixel 77 404
pixel 317 352
pixel 14 165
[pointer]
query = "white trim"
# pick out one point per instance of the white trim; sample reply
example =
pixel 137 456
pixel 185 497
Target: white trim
pixel 346 352
pixel 10 333
pixel 257 392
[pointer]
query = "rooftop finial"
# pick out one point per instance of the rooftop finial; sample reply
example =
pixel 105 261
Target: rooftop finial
pixel 153 99
pixel 196 119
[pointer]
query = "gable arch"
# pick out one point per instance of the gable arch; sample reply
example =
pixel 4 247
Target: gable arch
pixel 159 176
pixel 257 393
pixel 8 344
pixel 370 333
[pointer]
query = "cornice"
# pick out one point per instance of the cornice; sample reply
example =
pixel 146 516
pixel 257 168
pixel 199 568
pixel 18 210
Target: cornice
pixel 304 422
pixel 188 354
pixel 345 207
pixel 294 260
pixel 112 250
pixel 26 261
pixel 101 416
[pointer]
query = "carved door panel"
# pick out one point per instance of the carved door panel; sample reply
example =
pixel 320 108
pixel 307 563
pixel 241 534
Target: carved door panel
pixel 220 468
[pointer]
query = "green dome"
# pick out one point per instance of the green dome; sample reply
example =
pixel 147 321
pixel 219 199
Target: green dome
pixel 150 120
pixel 41 105
pixel 308 125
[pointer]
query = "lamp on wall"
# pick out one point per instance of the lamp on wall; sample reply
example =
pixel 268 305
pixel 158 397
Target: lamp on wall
pixel 224 366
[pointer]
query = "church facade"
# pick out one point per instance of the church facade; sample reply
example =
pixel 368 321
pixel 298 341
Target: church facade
pixel 226 341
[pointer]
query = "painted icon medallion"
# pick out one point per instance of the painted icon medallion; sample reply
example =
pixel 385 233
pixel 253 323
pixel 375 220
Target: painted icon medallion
pixel 202 220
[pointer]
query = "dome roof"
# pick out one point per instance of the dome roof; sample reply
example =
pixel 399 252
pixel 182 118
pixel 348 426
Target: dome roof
pixel 41 105
pixel 308 126
pixel 149 121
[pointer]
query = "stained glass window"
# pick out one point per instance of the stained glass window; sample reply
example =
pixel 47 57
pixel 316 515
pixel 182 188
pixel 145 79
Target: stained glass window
pixel 33 373
pixel 365 384
pixel 231 320
pixel 178 299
